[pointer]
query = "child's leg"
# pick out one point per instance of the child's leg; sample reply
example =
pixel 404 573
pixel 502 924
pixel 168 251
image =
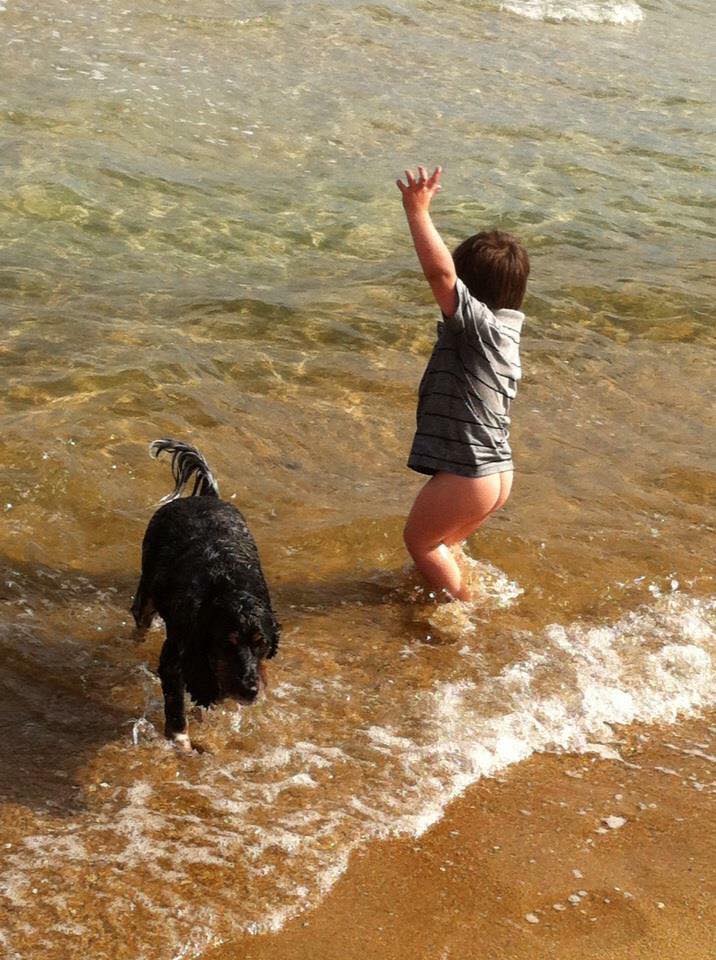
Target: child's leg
pixel 445 508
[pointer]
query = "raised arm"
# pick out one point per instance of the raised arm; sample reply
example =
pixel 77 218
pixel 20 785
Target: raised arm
pixel 433 255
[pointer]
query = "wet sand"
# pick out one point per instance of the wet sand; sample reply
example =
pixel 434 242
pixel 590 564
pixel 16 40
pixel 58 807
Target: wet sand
pixel 494 877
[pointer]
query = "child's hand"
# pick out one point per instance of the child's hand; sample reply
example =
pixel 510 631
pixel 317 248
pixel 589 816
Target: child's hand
pixel 434 256
pixel 418 193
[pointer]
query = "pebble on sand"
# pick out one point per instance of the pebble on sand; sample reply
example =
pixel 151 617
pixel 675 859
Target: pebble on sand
pixel 614 823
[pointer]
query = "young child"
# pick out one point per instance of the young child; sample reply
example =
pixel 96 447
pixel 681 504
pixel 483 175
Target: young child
pixel 464 398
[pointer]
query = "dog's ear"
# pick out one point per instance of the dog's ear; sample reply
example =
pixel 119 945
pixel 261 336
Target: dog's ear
pixel 246 601
pixel 253 616
pixel 243 607
pixel 273 635
pixel 258 616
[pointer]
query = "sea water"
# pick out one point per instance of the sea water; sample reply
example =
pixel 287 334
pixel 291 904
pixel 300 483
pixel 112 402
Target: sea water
pixel 201 237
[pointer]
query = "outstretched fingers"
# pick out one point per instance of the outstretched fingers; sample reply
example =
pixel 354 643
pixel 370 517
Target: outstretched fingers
pixel 422 183
pixel 409 176
pixel 429 181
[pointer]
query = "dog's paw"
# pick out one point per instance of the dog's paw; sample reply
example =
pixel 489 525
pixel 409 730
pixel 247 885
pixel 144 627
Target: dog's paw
pixel 182 742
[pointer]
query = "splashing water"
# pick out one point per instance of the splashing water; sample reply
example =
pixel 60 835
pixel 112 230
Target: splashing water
pixel 280 807
pixel 490 589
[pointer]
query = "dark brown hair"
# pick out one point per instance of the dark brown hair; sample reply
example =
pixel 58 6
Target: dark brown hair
pixel 494 267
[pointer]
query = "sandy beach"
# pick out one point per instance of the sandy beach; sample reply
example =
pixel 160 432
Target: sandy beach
pixel 564 857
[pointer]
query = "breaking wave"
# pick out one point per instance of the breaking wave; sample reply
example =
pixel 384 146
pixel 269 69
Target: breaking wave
pixel 286 791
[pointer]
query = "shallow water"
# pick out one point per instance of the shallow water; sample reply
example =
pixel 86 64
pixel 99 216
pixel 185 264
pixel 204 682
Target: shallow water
pixel 201 238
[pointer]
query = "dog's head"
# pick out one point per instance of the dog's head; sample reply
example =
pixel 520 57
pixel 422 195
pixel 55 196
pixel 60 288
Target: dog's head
pixel 240 631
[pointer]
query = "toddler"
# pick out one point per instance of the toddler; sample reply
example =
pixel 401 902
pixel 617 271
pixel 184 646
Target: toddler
pixel 462 437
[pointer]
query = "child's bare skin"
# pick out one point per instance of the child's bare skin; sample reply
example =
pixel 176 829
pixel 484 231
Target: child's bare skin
pixel 446 512
pixel 449 508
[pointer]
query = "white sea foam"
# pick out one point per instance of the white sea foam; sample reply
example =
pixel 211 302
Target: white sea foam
pixel 491 590
pixel 327 768
pixel 619 12
pixel 615 674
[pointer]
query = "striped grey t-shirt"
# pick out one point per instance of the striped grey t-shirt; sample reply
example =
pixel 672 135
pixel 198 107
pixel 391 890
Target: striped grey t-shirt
pixel 466 390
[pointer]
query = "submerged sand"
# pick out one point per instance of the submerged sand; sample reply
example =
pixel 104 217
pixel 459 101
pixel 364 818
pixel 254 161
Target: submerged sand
pixel 563 856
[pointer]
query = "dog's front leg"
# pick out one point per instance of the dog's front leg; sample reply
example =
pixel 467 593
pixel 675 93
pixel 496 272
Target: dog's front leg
pixel 170 673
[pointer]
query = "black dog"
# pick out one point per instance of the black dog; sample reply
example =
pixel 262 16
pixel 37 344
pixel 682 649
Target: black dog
pixel 201 573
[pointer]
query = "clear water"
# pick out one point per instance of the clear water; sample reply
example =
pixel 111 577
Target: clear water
pixel 201 237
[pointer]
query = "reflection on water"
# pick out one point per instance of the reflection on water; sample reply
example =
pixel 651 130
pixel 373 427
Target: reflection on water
pixel 201 238
pixel 591 11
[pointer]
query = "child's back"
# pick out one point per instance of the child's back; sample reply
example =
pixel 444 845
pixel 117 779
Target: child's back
pixel 466 390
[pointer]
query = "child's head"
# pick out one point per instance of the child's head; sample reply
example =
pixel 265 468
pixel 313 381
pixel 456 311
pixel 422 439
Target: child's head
pixel 494 267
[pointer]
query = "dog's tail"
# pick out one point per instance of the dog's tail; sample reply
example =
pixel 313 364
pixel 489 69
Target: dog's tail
pixel 187 462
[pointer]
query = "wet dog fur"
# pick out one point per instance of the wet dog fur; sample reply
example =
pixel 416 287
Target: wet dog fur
pixel 201 573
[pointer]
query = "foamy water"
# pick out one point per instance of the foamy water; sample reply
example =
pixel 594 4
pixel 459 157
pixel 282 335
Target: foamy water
pixel 281 800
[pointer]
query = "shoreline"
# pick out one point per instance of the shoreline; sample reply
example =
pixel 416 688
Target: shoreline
pixel 630 841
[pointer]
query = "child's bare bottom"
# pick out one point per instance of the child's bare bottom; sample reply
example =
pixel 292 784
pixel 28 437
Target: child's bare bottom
pixel 446 511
